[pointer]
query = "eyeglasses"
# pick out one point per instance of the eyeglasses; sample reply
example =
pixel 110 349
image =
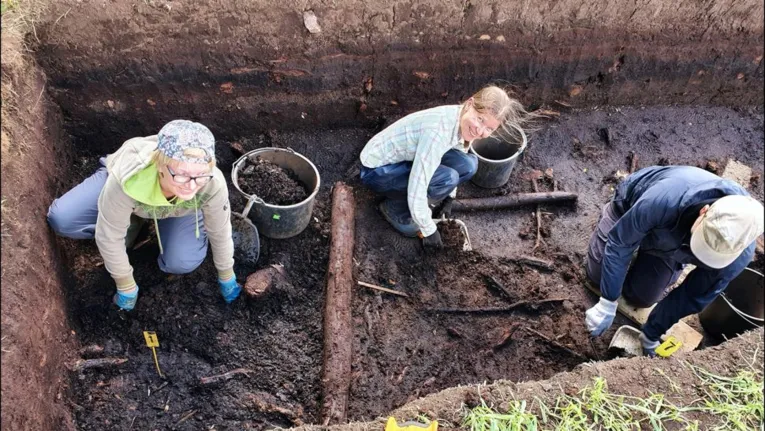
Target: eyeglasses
pixel 184 179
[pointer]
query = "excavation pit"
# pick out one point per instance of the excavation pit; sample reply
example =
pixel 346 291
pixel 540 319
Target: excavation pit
pixel 257 363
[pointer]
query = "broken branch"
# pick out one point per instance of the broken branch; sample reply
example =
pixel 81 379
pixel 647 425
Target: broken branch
pixel 510 307
pixel 513 201
pixel 539 217
pixel 224 376
pixel 492 282
pixel 555 343
pixel 633 162
pixel 84 364
pixel 533 261
pixel 382 289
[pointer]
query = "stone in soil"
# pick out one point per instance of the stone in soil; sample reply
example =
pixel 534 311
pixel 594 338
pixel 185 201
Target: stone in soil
pixel 272 183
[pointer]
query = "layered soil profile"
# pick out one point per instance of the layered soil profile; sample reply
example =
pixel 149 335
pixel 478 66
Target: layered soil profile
pixel 101 73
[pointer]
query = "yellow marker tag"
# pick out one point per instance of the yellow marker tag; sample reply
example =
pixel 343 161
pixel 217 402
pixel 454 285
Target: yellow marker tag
pixel 668 347
pixel 153 342
pixel 391 425
pixel 151 338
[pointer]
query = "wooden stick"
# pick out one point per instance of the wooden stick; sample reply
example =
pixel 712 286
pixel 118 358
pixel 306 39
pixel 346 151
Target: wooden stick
pixel 510 307
pixel 338 326
pixel 84 364
pixel 633 162
pixel 539 217
pixel 382 289
pixel 555 343
pixel 224 376
pixel 513 201
pixel 491 281
pixel 533 261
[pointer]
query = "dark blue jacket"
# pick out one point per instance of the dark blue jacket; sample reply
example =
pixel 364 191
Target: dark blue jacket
pixel 656 207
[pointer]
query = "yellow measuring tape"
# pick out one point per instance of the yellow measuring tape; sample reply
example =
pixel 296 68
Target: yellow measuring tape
pixel 153 342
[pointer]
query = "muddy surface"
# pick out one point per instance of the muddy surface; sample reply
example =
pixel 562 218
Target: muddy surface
pixel 272 183
pixel 403 348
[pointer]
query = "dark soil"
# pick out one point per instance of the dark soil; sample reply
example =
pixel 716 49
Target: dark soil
pixel 402 350
pixel 451 235
pixel 272 183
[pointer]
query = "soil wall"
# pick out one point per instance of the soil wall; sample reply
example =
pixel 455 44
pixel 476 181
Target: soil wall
pixel 120 69
pixel 36 338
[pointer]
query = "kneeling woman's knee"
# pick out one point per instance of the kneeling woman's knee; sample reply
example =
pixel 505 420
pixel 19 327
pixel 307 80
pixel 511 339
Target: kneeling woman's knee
pixel 471 165
pixel 180 263
pixel 68 223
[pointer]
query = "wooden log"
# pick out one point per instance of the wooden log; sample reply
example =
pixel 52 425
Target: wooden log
pixel 338 333
pixel 513 201
pixel 84 364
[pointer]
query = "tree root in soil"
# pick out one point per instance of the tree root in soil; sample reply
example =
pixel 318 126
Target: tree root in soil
pixel 511 307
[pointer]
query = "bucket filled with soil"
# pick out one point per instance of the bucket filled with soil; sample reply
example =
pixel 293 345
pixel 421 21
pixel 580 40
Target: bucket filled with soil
pixel 497 156
pixel 280 186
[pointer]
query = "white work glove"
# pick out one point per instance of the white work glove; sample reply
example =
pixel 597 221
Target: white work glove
pixel 649 346
pixel 600 317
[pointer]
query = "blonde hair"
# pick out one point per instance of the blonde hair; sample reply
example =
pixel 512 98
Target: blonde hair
pixel 510 113
pixel 161 160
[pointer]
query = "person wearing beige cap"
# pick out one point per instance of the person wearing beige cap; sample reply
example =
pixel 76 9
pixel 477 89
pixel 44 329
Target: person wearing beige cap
pixel 660 219
pixel 169 178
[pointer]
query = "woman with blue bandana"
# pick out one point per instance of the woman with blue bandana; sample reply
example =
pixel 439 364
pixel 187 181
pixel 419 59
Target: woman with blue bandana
pixel 169 178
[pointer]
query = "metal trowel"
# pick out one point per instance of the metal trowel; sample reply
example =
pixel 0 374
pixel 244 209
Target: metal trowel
pixel 626 342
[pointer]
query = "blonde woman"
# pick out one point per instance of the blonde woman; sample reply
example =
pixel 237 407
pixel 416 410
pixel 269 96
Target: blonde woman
pixel 169 178
pixel 421 159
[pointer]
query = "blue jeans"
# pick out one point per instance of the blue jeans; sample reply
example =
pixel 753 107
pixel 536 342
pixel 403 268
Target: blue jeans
pixel 74 215
pixel 392 180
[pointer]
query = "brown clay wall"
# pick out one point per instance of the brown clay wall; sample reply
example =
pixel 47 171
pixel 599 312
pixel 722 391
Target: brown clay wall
pixel 122 68
pixel 36 337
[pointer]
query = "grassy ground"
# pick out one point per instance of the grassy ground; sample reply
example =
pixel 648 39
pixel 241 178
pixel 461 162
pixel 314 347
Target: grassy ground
pixel 736 401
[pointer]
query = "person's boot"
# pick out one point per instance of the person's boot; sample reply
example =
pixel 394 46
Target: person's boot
pixel 396 212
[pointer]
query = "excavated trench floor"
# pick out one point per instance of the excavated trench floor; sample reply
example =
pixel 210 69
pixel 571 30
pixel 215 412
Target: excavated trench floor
pixel 403 350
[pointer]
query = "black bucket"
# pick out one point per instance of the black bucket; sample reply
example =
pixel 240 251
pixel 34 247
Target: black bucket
pixel 738 309
pixel 497 157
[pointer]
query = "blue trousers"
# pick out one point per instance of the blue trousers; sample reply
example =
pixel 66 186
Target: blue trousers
pixel 74 215
pixel 392 180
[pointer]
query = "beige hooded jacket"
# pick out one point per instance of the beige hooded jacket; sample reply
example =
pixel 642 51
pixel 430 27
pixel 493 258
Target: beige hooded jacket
pixel 115 206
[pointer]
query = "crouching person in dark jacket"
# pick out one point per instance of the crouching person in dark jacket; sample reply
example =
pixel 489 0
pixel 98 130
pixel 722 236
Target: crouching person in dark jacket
pixel 672 216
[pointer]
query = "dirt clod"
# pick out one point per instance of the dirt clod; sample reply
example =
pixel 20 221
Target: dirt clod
pixel 272 183
pixel 451 234
pixel 259 282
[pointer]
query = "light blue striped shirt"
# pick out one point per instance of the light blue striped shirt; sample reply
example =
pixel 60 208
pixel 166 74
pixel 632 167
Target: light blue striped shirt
pixel 421 138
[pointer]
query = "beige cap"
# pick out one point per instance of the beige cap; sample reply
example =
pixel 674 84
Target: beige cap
pixel 727 229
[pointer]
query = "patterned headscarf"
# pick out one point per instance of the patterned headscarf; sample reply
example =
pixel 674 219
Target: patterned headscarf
pixel 179 135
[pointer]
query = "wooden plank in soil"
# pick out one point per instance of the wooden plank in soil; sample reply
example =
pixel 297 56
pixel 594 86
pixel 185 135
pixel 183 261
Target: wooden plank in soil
pixel 338 334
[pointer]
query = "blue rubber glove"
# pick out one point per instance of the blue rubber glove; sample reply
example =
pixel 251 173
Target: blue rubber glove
pixel 649 346
pixel 230 289
pixel 126 300
pixel 600 317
